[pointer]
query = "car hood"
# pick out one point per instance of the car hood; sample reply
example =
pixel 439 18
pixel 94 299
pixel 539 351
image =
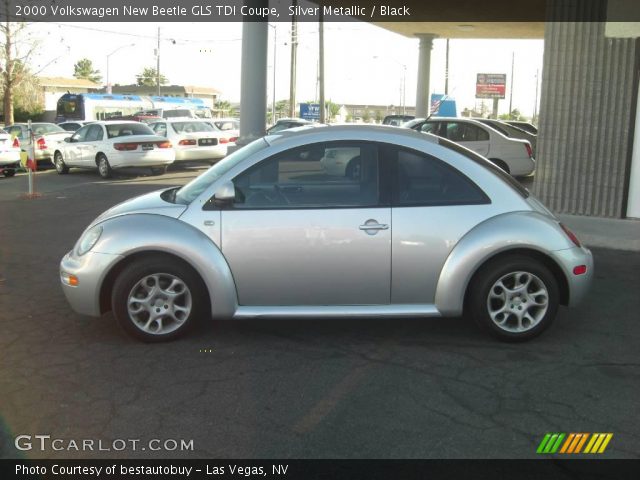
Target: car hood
pixel 149 203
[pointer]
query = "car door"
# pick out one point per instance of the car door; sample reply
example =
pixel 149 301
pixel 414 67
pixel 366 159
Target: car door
pixel 92 144
pixel 297 235
pixel 73 148
pixel 472 136
pixel 434 205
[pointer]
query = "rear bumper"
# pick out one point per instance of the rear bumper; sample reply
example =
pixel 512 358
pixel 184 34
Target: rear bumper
pixel 214 152
pixel 579 285
pixel 152 158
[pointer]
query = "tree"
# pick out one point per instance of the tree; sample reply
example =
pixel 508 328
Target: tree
pixel 366 115
pixel 149 78
pixel 17 49
pixel 84 69
pixel 333 109
pixel 379 116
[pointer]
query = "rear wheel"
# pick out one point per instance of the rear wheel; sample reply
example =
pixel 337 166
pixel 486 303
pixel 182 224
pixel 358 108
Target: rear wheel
pixel 514 297
pixel 500 164
pixel 58 162
pixel 104 169
pixel 158 170
pixel 158 298
pixel 8 172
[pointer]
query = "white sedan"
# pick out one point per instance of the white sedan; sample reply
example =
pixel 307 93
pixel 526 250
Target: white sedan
pixel 193 140
pixel 114 145
pixel 9 154
pixel 513 155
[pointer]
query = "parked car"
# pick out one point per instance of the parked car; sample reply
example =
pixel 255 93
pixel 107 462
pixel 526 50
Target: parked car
pixel 167 113
pixel 526 126
pixel 73 126
pixel 286 123
pixel 194 140
pixel 513 155
pixel 46 137
pixel 114 145
pixel 9 154
pixel 397 120
pixel 511 131
pixel 427 228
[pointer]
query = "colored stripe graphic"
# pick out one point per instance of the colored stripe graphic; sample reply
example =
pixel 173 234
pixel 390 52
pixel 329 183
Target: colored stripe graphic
pixel 556 443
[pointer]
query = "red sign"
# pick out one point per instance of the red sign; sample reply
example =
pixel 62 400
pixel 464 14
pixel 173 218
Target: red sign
pixel 491 85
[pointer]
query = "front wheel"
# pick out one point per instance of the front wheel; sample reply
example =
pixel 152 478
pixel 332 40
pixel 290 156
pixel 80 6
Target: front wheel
pixel 515 298
pixel 58 162
pixel 158 298
pixel 104 169
pixel 8 172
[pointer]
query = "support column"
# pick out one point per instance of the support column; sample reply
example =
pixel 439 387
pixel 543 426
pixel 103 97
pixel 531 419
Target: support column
pixel 253 78
pixel 424 72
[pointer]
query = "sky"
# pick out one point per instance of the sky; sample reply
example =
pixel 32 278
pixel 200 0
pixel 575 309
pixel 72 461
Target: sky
pixel 364 64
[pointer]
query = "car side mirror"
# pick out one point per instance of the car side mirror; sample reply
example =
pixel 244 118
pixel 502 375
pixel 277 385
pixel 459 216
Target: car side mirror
pixel 67 139
pixel 226 193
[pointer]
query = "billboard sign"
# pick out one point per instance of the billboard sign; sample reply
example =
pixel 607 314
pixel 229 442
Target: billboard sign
pixel 491 85
pixel 310 111
pixel 443 106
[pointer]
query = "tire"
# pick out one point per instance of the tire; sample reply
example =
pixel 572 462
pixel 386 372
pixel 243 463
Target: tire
pixel 104 169
pixel 500 164
pixel 501 298
pixel 58 162
pixel 168 283
pixel 8 172
pixel 158 170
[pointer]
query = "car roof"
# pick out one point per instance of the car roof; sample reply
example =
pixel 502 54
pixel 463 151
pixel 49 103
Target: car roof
pixel 334 132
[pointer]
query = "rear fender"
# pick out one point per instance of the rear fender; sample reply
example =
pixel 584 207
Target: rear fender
pixel 509 231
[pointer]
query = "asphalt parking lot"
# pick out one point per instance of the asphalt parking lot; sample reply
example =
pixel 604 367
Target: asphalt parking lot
pixel 286 389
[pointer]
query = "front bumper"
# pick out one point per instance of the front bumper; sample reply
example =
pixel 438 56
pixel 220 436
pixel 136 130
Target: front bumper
pixel 90 270
pixel 579 285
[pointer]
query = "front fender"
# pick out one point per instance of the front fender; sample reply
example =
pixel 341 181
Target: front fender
pixel 130 234
pixel 509 231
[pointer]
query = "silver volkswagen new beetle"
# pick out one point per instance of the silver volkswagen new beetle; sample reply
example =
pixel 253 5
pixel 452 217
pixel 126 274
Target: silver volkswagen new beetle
pixel 339 221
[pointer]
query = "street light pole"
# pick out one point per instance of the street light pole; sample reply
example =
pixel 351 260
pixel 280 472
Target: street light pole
pixel 275 48
pixel 158 63
pixel 108 56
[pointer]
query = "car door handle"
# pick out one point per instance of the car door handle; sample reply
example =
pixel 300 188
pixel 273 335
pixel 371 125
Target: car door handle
pixel 209 223
pixel 374 226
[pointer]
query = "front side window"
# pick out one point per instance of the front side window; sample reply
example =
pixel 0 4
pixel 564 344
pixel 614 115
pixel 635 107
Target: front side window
pixel 430 127
pixel 336 174
pixel 423 180
pixel 94 133
pixel 81 134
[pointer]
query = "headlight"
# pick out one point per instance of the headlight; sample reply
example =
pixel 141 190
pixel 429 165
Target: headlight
pixel 88 240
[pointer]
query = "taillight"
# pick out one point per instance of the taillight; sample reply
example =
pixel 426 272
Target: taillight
pixel 233 139
pixel 125 146
pixel 16 142
pixel 529 150
pixel 571 235
pixel 580 270
pixel 42 144
pixel 223 140
pixel 166 144
pixel 187 142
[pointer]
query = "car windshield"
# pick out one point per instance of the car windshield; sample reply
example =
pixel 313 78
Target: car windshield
pixel 42 128
pixel 191 127
pixel 115 130
pixel 195 187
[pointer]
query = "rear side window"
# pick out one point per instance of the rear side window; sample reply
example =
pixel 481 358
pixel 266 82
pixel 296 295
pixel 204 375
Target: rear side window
pixel 423 180
pixel 479 159
pixel 464 132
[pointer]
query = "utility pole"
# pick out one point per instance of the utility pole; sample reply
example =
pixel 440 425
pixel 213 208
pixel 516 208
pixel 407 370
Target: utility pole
pixel 513 57
pixel 294 55
pixel 446 71
pixel 323 113
pixel 158 63
pixel 535 103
